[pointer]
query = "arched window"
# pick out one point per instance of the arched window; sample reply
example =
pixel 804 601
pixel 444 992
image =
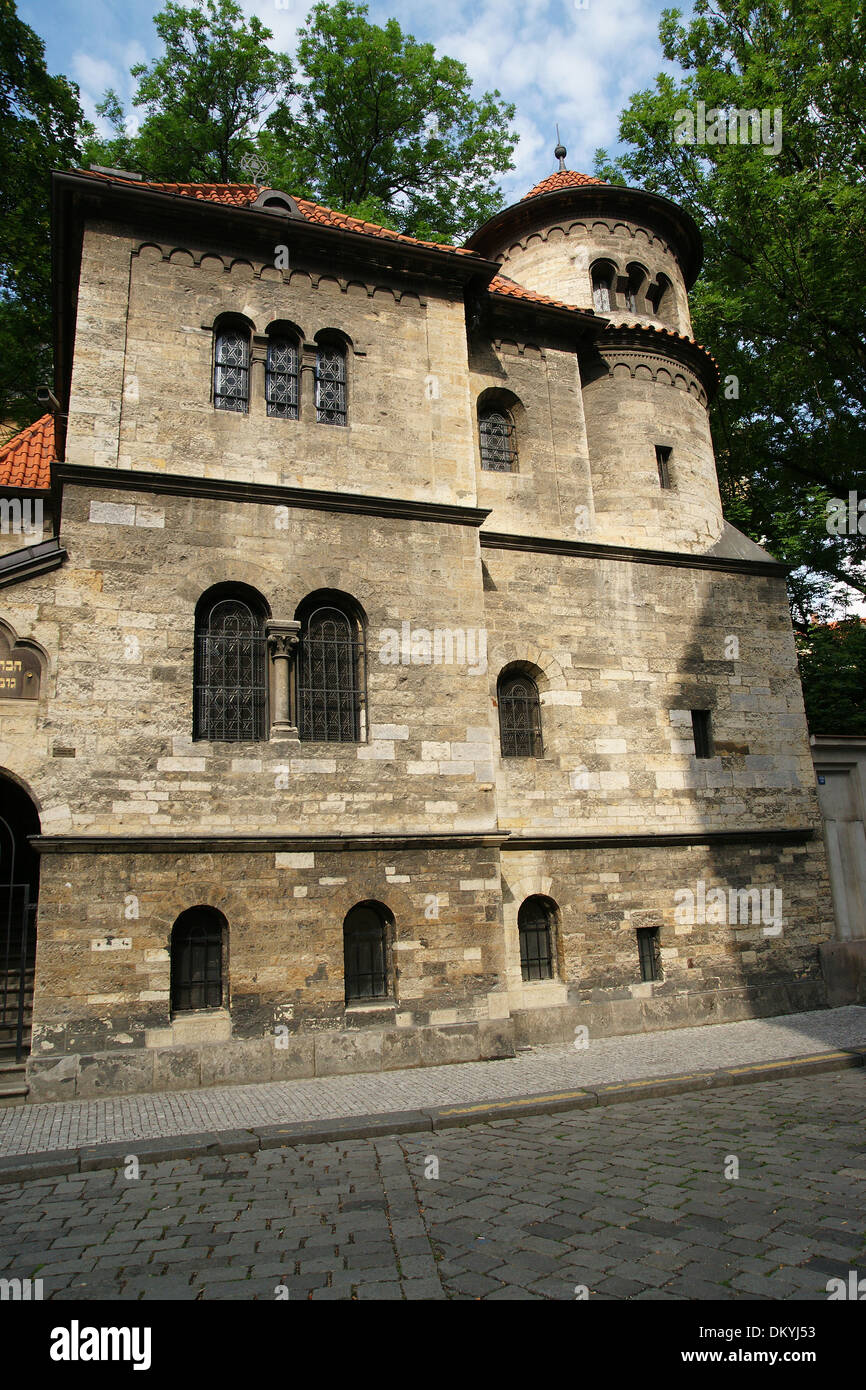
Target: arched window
pixel 519 716
pixel 661 297
pixel 498 440
pixel 535 925
pixel 281 375
pixel 197 960
pixel 230 695
pixel 603 275
pixel 365 954
pixel 231 371
pixel 331 407
pixel 331 675
pixel 637 277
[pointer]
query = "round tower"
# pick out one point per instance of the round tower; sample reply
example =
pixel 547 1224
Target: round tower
pixel 630 257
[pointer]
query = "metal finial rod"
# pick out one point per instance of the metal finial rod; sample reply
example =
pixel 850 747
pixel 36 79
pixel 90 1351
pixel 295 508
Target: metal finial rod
pixel 560 152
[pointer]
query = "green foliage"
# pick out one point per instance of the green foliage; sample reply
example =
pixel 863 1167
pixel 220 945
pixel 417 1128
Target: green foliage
pixel 833 672
pixel 39 122
pixel 781 300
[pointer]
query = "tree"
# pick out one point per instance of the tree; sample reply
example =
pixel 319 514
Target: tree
pixel 833 671
pixel 40 120
pixel 205 97
pixel 384 129
pixel 781 300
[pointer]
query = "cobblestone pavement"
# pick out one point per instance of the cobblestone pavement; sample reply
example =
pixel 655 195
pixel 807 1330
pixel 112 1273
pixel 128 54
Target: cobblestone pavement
pixel 69 1124
pixel 629 1201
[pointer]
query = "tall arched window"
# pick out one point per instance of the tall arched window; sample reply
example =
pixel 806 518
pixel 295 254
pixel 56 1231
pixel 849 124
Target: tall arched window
pixel 498 440
pixel 519 716
pixel 637 277
pixel 281 375
pixel 230 695
pixel 197 960
pixel 331 676
pixel 661 297
pixel 535 926
pixel 331 405
pixel 231 371
pixel 603 274
pixel 365 953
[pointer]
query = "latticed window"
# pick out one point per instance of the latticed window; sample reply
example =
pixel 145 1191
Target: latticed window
pixel 281 378
pixel 498 441
pixel 534 927
pixel 230 673
pixel 602 286
pixel 364 954
pixel 649 953
pixel 231 373
pixel 519 717
pixel 196 961
pixel 331 385
pixel 330 678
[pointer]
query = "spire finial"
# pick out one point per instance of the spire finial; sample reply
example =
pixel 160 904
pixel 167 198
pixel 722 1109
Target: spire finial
pixel 560 152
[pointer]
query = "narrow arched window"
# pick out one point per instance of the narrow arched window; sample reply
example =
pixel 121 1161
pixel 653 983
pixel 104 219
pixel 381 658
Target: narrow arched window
pixel 498 441
pixel 633 292
pixel 281 377
pixel 365 956
pixel 231 372
pixel 602 288
pixel 661 297
pixel 331 408
pixel 535 928
pixel 230 696
pixel 197 960
pixel 330 676
pixel 519 716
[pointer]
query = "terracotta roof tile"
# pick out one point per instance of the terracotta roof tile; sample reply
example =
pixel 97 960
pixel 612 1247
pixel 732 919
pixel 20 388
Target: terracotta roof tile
pixel 563 178
pixel 500 284
pixel 25 460
pixel 242 195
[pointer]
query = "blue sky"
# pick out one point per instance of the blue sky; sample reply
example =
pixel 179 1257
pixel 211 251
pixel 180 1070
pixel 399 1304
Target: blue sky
pixel 572 61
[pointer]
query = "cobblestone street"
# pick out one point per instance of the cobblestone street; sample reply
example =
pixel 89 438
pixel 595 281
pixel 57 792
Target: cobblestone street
pixel 629 1201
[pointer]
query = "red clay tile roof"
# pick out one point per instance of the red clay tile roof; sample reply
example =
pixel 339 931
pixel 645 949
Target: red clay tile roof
pixel 242 195
pixel 25 461
pixel 563 178
pixel 666 333
pixel 500 284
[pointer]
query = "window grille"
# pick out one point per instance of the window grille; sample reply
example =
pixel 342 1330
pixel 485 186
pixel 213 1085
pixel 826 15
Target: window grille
pixel 601 290
pixel 702 731
pixel 196 962
pixel 364 955
pixel 281 378
pixel 649 953
pixel 230 687
pixel 534 930
pixel 498 442
pixel 330 682
pixel 231 382
pixel 519 718
pixel 331 386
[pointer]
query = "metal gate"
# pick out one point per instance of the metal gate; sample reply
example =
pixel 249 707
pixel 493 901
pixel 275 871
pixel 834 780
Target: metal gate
pixel 17 965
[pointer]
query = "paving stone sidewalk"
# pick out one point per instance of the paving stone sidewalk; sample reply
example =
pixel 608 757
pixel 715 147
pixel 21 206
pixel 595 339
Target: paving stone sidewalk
pixel 31 1129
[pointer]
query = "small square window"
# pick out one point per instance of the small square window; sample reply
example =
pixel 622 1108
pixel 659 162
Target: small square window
pixel 702 732
pixel 649 953
pixel 663 463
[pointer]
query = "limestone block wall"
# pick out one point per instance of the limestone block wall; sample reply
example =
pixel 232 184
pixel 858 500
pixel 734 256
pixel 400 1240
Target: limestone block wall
pixel 142 380
pixel 622 653
pixel 636 398
pixel 555 258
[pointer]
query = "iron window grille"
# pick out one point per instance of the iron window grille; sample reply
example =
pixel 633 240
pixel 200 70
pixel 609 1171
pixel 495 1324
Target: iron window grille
pixel 663 463
pixel 196 963
pixel 519 718
pixel 330 678
pixel 231 380
pixel 230 687
pixel 17 963
pixel 364 955
pixel 331 386
pixel 498 442
pixel 281 379
pixel 702 731
pixel 649 953
pixel 536 948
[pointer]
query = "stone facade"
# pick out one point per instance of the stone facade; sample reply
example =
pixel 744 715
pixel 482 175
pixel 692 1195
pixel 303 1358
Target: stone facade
pixel 629 605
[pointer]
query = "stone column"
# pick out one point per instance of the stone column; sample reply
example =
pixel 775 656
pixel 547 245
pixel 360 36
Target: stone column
pixel 282 644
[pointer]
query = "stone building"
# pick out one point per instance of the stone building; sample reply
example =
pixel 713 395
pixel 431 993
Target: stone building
pixel 384 686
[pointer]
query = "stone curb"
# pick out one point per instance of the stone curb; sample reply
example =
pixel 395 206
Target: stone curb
pixel 91 1157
